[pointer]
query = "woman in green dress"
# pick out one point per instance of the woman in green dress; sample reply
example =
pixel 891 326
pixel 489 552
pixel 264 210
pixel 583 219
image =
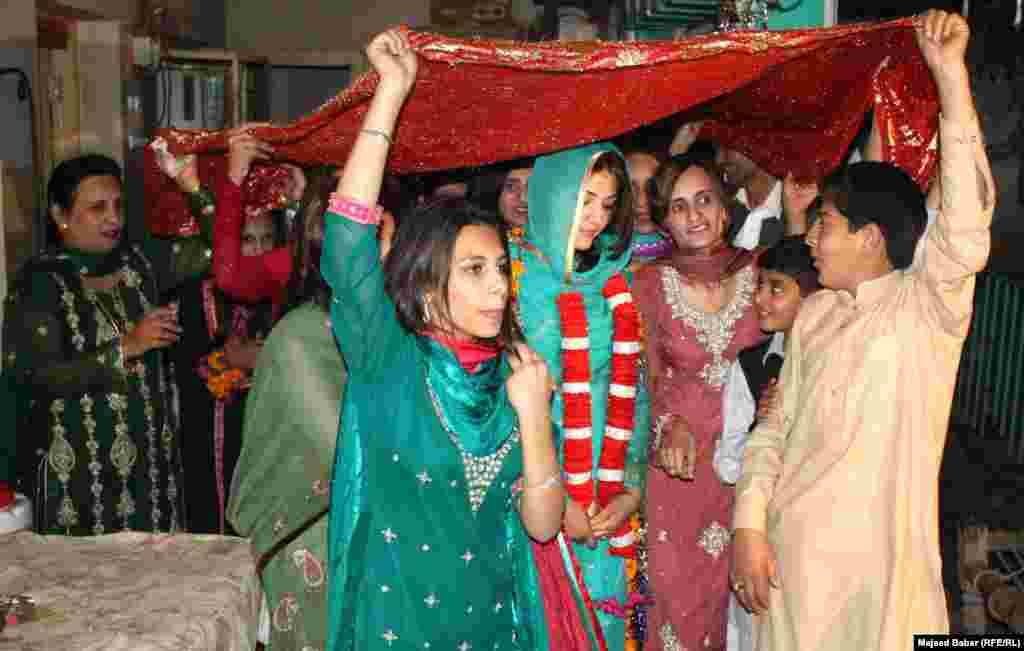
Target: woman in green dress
pixel 84 376
pixel 444 412
pixel 279 498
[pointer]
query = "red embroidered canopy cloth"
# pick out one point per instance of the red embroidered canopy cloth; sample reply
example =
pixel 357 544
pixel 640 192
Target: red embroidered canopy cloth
pixel 793 101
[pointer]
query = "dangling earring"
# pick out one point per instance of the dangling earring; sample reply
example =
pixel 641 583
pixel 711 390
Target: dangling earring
pixel 426 309
pixel 63 226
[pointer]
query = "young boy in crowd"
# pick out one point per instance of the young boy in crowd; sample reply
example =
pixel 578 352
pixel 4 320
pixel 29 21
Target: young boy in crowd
pixel 786 276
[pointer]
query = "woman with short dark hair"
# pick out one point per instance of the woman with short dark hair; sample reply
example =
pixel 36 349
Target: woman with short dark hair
pixel 445 411
pixel 84 369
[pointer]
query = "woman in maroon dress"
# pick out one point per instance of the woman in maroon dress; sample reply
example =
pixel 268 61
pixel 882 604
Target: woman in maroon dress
pixel 698 315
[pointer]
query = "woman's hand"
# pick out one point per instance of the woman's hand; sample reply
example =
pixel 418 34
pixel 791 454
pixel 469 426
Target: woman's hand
pixel 577 525
pixel 684 138
pixel 529 386
pixel 677 455
pixel 242 352
pixel 183 169
pixel 394 61
pixel 244 149
pixel 613 516
pixel 942 38
pixel 157 329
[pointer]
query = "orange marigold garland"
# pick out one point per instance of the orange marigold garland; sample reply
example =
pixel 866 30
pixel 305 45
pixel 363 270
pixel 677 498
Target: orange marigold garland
pixel 223 382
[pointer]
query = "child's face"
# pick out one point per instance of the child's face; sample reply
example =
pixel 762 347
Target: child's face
pixel 777 301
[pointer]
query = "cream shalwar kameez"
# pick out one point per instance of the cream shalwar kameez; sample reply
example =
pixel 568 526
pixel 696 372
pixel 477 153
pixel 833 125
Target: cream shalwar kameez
pixel 843 477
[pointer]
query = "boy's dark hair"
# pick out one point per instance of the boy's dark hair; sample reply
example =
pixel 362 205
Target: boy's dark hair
pixel 792 256
pixel 881 193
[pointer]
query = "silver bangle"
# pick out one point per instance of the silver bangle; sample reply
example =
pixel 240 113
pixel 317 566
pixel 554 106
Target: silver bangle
pixel 550 482
pixel 378 132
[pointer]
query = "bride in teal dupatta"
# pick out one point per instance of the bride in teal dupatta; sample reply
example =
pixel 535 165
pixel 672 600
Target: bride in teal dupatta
pixel 576 309
pixel 445 425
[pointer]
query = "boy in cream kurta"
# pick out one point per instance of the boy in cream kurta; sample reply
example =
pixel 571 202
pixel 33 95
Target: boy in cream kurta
pixel 836 543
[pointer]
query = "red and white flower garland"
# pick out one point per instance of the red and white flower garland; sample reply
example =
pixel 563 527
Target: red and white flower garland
pixel 620 417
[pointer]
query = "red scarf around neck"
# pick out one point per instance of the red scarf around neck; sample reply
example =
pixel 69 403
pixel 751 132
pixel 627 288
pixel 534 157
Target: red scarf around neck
pixel 471 354
pixel 710 267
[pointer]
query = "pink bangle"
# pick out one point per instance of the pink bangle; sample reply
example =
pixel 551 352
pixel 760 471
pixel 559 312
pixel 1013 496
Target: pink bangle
pixel 354 210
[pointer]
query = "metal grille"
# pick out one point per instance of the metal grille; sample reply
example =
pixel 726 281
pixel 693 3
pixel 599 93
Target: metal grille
pixel 989 394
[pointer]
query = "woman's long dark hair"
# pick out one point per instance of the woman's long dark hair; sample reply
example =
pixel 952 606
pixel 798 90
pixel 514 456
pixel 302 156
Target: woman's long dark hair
pixel 306 284
pixel 420 262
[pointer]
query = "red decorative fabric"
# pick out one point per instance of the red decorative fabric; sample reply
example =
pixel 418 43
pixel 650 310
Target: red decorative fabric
pixel 168 213
pixel 791 100
pixel 244 278
pixel 7 495
pixel 266 187
pixel 167 210
pixel 565 627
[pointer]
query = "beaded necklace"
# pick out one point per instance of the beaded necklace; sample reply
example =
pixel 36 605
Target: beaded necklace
pixel 481 471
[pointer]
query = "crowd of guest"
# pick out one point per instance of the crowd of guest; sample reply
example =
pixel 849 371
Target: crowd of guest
pixel 515 406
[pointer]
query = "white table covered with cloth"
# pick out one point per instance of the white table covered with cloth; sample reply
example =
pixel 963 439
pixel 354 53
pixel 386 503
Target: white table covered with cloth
pixel 131 591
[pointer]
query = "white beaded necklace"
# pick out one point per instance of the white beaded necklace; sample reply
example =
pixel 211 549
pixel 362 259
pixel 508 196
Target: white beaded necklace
pixel 481 471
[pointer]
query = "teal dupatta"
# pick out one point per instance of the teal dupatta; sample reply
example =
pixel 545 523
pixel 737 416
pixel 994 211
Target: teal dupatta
pixel 473 404
pixel 548 271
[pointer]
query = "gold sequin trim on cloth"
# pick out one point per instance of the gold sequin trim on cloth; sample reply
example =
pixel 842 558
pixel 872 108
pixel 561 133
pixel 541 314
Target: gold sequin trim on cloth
pixel 123 454
pixel 61 458
pixel 714 539
pixel 715 330
pixel 669 639
pixel 152 451
pixel 167 435
pixel 95 467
